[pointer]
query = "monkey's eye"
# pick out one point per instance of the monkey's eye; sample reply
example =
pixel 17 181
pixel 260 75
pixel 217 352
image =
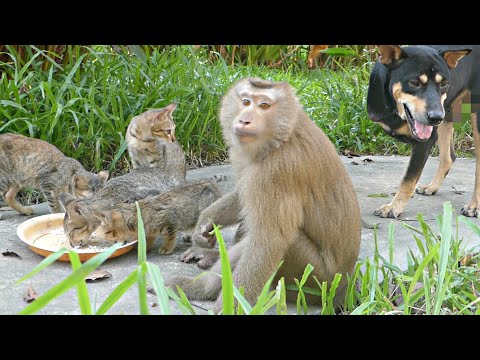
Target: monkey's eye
pixel 246 102
pixel 414 83
pixel 264 106
pixel 444 84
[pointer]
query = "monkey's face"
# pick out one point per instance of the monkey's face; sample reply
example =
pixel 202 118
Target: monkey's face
pixel 257 113
pixel 250 123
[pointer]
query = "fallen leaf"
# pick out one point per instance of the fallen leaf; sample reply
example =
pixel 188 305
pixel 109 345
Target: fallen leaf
pixel 98 274
pixel 350 154
pixel 31 294
pixel 354 163
pixel 458 192
pixel 11 253
pixel 367 160
pixel 467 260
pixel 377 195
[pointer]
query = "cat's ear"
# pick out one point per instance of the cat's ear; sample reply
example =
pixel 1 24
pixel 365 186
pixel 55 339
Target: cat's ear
pixel 78 182
pixel 132 223
pixel 65 199
pixel 104 217
pixel 170 108
pixel 104 174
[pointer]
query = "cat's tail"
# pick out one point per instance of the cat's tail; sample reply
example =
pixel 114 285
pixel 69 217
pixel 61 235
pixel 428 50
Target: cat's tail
pixel 217 177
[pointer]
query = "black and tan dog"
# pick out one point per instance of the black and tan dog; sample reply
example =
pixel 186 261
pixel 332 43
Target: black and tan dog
pixel 411 93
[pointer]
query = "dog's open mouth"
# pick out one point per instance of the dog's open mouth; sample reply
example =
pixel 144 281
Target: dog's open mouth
pixel 419 130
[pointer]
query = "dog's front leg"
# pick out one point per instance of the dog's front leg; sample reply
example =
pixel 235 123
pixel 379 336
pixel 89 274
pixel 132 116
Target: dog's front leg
pixel 420 153
pixel 446 156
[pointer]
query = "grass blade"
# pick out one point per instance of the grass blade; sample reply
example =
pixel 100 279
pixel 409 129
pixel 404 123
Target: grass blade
pixel 227 278
pixel 182 301
pixel 265 295
pixel 82 290
pixel 391 228
pixel 243 303
pixel 142 247
pixel 282 297
pixel 142 289
pixel 160 290
pixel 117 293
pixel 445 246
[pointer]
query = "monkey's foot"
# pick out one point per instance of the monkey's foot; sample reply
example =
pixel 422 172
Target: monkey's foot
pixel 388 211
pixel 205 257
pixel 429 189
pixel 471 210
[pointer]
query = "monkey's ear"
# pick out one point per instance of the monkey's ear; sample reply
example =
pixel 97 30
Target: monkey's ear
pixel 391 54
pixel 453 57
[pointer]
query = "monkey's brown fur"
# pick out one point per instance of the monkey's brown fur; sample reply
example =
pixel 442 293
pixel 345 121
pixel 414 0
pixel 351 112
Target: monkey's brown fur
pixel 296 200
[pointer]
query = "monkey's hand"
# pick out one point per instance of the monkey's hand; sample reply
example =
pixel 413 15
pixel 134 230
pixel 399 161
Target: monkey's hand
pixel 205 257
pixel 204 236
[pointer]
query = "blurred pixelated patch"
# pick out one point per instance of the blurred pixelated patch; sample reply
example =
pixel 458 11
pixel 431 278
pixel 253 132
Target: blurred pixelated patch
pixel 469 104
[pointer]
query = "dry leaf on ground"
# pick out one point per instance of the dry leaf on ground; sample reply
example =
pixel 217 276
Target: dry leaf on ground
pixel 31 294
pixel 98 274
pixel 10 253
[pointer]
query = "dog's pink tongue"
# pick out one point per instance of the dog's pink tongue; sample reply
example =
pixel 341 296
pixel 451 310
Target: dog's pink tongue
pixel 423 131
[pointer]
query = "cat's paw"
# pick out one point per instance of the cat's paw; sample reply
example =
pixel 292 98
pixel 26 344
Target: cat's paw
pixel 165 250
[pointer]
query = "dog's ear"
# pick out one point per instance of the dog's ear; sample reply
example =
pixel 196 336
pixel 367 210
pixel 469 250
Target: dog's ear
pixel 390 54
pixel 452 57
pixel 380 104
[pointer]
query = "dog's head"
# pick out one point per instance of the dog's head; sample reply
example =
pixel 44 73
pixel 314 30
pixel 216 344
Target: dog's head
pixel 411 82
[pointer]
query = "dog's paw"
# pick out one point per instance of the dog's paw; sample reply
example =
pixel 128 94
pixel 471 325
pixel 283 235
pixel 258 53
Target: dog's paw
pixel 388 211
pixel 470 210
pixel 426 189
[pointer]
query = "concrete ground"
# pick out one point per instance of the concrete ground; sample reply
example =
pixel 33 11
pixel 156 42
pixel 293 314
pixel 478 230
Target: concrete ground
pixel 382 175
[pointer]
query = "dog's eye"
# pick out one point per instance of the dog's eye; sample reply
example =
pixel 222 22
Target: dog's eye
pixel 444 84
pixel 414 83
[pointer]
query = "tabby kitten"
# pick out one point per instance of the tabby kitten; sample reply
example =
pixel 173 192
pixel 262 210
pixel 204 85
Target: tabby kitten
pixel 29 162
pixel 175 210
pixel 79 222
pixel 151 142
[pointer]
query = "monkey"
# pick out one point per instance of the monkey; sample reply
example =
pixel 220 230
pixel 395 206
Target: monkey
pixel 293 197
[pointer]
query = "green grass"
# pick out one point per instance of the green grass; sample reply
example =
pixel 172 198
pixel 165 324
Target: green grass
pixel 441 278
